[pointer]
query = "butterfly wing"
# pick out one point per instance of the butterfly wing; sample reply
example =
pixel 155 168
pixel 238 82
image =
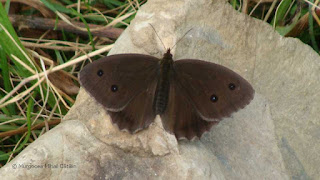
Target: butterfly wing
pixel 138 114
pixel 115 80
pixel 124 84
pixel 214 91
pixel 201 93
pixel 180 117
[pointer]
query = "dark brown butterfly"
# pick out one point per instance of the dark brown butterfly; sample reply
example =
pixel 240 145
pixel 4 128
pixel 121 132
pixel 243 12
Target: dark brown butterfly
pixel 189 95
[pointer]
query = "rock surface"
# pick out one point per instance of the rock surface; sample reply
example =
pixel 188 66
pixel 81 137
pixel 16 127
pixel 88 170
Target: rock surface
pixel 275 137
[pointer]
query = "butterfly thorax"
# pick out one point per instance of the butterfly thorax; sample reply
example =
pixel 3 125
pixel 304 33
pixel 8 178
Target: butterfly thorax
pixel 163 86
pixel 167 56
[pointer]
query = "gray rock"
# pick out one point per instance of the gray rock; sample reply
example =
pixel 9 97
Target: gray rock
pixel 275 137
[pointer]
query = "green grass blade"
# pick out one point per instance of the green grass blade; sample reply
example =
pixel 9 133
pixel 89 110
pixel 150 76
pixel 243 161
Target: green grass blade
pixel 11 43
pixel 7 6
pixel 311 30
pixel 6 79
pixel 281 11
pixel 29 110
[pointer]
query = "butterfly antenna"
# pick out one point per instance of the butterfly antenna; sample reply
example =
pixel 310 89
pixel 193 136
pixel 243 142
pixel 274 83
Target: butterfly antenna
pixel 182 38
pixel 158 36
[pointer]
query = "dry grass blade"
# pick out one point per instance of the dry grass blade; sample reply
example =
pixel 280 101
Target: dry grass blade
pixel 42 74
pixel 24 129
pixel 66 25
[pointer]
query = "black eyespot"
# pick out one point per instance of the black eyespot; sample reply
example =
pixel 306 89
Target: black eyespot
pixel 100 73
pixel 214 98
pixel 232 86
pixel 114 88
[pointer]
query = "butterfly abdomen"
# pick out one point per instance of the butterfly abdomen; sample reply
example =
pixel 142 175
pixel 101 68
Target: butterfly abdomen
pixel 161 96
pixel 162 92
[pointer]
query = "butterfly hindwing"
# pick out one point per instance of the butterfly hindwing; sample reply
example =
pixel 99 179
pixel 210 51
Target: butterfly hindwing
pixel 180 117
pixel 138 114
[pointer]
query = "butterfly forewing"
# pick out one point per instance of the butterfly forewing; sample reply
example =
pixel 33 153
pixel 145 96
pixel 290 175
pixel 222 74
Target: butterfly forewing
pixel 115 80
pixel 214 91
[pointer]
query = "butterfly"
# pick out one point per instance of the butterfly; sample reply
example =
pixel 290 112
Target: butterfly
pixel 190 95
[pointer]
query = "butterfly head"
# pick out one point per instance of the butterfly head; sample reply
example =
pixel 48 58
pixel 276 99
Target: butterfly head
pixel 167 55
